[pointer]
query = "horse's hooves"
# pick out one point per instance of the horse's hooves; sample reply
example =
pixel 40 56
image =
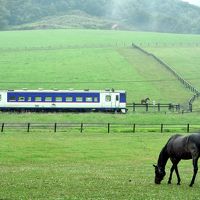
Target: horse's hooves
pixel 178 184
pixel 191 185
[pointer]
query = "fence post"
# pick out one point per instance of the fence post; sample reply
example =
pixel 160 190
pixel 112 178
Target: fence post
pixel 147 107
pixel 133 107
pixel 170 106
pixel 133 128
pixel 159 107
pixel 108 127
pixel 190 107
pixel 55 127
pixel 28 129
pixel 161 128
pixel 188 128
pixel 2 127
pixel 81 127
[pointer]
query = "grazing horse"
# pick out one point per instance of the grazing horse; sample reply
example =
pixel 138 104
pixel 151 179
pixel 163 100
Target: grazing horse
pixel 145 101
pixel 178 147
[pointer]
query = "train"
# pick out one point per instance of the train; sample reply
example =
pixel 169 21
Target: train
pixel 108 100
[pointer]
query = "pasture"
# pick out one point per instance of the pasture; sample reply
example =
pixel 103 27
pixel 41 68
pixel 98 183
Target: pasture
pixel 94 165
pixel 87 166
pixel 83 59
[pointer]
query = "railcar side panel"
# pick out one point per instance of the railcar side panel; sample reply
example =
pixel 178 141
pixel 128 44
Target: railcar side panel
pixel 66 100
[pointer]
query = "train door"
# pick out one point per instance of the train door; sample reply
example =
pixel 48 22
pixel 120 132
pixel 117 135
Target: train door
pixel 110 100
pixel 107 100
pixel 3 98
pixel 116 100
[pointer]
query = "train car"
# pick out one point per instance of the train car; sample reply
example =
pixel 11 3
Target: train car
pixel 63 100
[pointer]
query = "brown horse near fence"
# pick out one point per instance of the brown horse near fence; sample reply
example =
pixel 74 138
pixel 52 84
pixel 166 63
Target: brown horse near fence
pixel 145 101
pixel 177 148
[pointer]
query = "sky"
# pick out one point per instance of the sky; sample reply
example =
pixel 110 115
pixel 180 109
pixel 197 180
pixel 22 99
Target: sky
pixel 195 2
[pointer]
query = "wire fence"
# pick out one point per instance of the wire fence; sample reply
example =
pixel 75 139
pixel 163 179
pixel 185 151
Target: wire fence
pixel 178 76
pixel 155 107
pixel 116 44
pixel 98 127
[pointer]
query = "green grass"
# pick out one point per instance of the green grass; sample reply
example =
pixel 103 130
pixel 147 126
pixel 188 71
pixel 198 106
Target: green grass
pixel 145 122
pixel 184 60
pixel 59 38
pixel 72 20
pixel 93 68
pixel 78 59
pixel 58 65
pixel 93 165
pixel 88 166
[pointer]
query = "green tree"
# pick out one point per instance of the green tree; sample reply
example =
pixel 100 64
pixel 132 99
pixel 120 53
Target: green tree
pixel 4 13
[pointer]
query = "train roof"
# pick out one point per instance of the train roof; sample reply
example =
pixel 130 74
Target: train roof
pixel 69 90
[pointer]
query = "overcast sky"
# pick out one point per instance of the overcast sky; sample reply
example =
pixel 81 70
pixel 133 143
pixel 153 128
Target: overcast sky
pixel 195 2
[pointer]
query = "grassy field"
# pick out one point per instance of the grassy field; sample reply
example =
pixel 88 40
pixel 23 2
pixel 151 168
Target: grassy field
pixel 61 38
pixel 184 60
pixel 131 117
pixel 93 165
pixel 77 59
pixel 87 166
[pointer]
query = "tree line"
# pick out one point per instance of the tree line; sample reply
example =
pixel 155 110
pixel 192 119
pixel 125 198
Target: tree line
pixel 154 15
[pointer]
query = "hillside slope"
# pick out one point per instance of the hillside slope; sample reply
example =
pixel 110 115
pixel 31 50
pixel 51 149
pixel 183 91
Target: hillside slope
pixel 75 19
pixel 71 59
pixel 155 15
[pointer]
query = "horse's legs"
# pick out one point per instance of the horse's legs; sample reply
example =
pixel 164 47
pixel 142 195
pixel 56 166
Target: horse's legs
pixel 170 176
pixel 174 167
pixel 195 166
pixel 177 174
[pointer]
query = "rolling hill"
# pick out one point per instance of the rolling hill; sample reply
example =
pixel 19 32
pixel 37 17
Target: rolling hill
pixel 169 16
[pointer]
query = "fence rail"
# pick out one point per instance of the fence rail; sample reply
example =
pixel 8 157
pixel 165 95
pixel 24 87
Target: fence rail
pixel 178 76
pixel 107 127
pixel 158 106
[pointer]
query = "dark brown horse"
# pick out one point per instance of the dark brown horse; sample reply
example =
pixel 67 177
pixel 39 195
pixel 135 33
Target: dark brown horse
pixel 145 101
pixel 177 148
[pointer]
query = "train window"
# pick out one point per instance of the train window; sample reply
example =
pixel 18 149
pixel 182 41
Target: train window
pixel 88 99
pixel 117 97
pixel 95 99
pixel 108 98
pixel 29 98
pixel 68 99
pixel 21 98
pixel 12 98
pixel 59 99
pixel 79 99
pixel 0 97
pixel 38 98
pixel 48 98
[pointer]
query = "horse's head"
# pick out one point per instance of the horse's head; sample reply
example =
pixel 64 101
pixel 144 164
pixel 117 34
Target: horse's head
pixel 159 174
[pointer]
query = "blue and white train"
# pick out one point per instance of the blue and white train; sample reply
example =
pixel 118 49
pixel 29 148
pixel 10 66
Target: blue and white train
pixel 63 100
